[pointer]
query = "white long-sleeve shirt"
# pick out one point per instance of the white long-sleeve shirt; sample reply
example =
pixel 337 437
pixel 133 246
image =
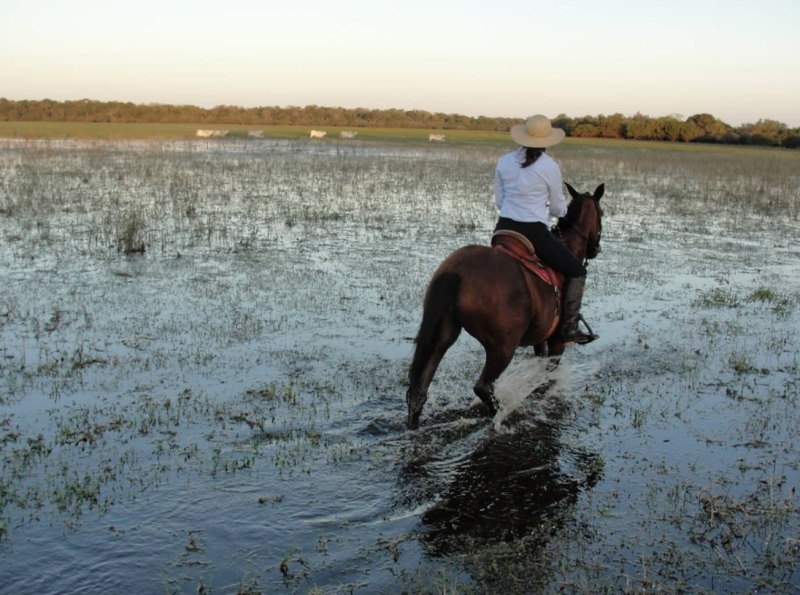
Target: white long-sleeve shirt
pixel 529 194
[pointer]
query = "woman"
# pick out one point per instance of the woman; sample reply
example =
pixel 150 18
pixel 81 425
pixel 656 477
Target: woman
pixel 528 191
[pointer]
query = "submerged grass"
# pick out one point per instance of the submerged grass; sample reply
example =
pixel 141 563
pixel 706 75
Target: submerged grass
pixel 204 344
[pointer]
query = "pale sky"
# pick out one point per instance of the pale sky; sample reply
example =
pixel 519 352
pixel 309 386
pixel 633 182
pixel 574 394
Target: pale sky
pixel 738 60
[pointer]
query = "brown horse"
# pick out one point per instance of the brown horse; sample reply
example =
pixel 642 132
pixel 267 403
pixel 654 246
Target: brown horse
pixel 484 291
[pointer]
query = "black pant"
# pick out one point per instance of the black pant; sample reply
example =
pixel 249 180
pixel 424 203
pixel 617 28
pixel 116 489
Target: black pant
pixel 548 247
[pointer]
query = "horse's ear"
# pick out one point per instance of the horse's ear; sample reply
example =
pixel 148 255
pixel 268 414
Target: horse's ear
pixel 598 194
pixel 574 193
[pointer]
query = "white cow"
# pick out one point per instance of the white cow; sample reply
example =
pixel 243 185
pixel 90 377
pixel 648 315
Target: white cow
pixel 209 133
pixel 347 134
pixel 255 133
pixel 317 133
pixel 436 137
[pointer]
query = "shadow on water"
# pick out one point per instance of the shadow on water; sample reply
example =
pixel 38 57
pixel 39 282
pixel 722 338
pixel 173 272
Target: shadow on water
pixel 505 486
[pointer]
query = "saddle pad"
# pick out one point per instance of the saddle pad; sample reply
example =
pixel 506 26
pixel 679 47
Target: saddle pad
pixel 519 248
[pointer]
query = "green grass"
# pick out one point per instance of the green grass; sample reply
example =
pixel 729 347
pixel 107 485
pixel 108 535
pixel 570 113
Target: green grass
pixel 638 145
pixel 46 130
pixel 112 131
pixel 718 298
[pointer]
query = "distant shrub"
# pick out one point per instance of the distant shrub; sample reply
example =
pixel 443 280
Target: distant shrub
pixel 792 142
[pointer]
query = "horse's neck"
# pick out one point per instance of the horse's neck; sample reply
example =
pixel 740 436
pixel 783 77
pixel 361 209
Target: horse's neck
pixel 575 243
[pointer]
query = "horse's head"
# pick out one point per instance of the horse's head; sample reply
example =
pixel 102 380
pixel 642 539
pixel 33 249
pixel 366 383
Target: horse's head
pixel 585 217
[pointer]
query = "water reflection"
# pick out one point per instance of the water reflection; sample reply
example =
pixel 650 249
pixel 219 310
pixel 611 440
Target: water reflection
pixel 505 487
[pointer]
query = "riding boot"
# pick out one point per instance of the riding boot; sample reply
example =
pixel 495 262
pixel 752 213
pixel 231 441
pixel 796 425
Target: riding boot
pixel 573 295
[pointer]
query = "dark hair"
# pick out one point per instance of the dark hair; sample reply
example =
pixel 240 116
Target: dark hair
pixel 531 155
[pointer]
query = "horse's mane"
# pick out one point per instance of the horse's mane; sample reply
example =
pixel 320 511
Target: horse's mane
pixel 573 212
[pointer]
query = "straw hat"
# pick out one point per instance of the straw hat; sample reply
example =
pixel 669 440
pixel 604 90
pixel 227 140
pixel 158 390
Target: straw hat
pixel 537 132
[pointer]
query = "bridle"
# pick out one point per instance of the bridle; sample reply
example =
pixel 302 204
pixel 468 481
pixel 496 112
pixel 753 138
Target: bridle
pixel 592 245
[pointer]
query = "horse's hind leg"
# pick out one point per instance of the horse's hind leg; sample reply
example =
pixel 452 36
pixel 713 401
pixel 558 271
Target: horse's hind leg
pixel 418 389
pixel 555 349
pixel 497 360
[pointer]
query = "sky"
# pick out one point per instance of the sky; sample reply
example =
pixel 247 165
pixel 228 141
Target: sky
pixel 737 60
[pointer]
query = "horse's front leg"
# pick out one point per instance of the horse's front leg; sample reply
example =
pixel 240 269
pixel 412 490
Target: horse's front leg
pixel 555 348
pixel 485 392
pixel 497 360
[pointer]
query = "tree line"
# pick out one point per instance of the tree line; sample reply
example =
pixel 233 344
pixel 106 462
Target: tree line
pixel 702 128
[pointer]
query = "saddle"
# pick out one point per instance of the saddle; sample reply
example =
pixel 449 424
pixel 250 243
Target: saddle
pixel 518 247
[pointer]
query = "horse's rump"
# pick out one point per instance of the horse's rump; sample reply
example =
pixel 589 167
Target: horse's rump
pixel 499 295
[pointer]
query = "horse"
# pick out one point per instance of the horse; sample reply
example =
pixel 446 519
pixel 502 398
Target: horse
pixel 488 292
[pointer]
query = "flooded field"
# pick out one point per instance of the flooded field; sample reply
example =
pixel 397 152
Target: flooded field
pixel 203 350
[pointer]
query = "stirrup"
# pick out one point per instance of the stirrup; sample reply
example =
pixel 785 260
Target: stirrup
pixel 578 337
pixel 591 334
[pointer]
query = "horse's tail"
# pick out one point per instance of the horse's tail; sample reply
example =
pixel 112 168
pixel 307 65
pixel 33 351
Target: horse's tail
pixel 440 300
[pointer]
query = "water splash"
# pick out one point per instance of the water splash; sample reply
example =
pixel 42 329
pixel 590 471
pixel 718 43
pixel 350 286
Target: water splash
pixel 542 381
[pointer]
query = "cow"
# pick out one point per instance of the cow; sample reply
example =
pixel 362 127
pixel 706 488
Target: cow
pixel 255 133
pixel 317 133
pixel 436 137
pixel 347 134
pixel 210 133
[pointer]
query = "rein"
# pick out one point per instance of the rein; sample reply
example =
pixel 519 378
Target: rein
pixel 593 245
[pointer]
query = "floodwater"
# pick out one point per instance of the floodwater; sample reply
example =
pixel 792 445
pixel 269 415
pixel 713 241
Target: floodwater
pixel 223 412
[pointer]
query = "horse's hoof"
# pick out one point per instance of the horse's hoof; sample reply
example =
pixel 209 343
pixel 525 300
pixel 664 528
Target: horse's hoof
pixel 487 398
pixel 489 410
